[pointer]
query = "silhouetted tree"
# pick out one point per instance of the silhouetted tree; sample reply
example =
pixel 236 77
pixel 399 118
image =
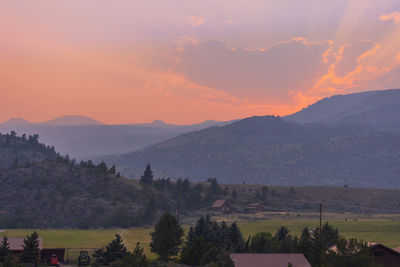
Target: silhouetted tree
pixel 282 233
pixel 136 258
pixel 4 248
pixel 115 250
pixel 167 237
pixel 30 251
pixel 147 177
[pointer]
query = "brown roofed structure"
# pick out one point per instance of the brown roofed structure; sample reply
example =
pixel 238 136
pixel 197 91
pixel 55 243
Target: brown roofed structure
pixel 16 243
pixel 385 256
pixel 270 260
pixel 221 205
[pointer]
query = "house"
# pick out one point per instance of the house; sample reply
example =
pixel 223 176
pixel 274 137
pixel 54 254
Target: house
pixel 16 248
pixel 385 256
pixel 255 207
pixel 270 260
pixel 221 205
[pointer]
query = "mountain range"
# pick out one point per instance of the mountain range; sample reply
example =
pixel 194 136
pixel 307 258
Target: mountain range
pixel 83 137
pixel 378 109
pixel 342 140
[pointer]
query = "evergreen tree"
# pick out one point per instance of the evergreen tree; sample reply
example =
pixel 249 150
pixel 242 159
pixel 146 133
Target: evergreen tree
pixel 193 254
pixel 217 257
pixel 115 250
pixel 167 237
pixel 263 242
pixel 147 177
pixel 4 249
pixel 306 243
pixel 236 238
pixel 137 258
pixel 30 251
pixel 282 233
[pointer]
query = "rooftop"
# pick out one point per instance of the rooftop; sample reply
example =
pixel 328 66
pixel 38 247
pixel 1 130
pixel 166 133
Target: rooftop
pixel 16 243
pixel 270 260
pixel 219 203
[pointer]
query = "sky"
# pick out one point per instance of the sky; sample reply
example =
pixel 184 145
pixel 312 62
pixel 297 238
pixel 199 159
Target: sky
pixel 186 61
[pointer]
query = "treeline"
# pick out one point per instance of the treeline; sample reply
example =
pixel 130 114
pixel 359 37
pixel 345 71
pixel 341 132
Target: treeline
pixel 209 243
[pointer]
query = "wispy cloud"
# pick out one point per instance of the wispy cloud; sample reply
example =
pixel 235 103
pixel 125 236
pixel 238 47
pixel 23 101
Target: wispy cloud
pixel 394 16
pixel 195 21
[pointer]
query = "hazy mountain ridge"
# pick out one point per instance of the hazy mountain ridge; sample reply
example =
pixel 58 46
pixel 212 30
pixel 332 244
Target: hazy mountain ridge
pixel 269 150
pixel 93 140
pixel 378 109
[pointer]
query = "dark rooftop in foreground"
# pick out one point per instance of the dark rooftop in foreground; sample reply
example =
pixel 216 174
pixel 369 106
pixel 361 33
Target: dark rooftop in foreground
pixel 270 260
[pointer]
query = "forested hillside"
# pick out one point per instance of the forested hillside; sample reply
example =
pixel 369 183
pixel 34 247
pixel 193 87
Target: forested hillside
pixel 40 188
pixel 377 109
pixel 269 150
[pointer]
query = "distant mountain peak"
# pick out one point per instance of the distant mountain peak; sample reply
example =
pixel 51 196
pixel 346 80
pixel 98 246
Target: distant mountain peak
pixel 16 122
pixel 70 120
pixel 158 122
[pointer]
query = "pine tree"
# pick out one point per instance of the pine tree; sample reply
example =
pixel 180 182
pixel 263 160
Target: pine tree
pixel 135 259
pixel 4 249
pixel 147 178
pixel 282 233
pixel 115 250
pixel 30 251
pixel 167 237
pixel 236 238
pixel 193 254
pixel 306 243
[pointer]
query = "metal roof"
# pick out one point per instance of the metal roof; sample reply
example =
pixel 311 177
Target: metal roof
pixel 270 260
pixel 16 243
pixel 219 203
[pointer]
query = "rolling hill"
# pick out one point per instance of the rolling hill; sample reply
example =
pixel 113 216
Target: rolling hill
pixel 269 150
pixel 43 189
pixel 378 109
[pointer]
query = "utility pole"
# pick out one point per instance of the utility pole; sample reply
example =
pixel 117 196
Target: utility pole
pixel 320 216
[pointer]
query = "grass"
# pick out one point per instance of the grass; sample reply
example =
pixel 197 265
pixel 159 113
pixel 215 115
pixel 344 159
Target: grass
pixel 373 230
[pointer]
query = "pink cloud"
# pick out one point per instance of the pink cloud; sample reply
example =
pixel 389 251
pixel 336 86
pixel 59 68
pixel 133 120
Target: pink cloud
pixel 263 74
pixel 394 16
pixel 195 21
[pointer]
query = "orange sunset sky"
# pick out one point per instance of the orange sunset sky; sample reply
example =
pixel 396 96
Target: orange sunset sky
pixel 185 61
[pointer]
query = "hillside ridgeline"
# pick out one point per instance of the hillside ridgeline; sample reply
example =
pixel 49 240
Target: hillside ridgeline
pixel 269 150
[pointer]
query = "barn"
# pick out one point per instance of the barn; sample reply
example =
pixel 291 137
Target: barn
pixel 221 205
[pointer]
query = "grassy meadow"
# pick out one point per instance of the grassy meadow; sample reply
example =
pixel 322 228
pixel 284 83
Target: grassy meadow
pixel 380 230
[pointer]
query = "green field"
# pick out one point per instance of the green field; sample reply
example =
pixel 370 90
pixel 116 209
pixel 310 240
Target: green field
pixel 381 231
